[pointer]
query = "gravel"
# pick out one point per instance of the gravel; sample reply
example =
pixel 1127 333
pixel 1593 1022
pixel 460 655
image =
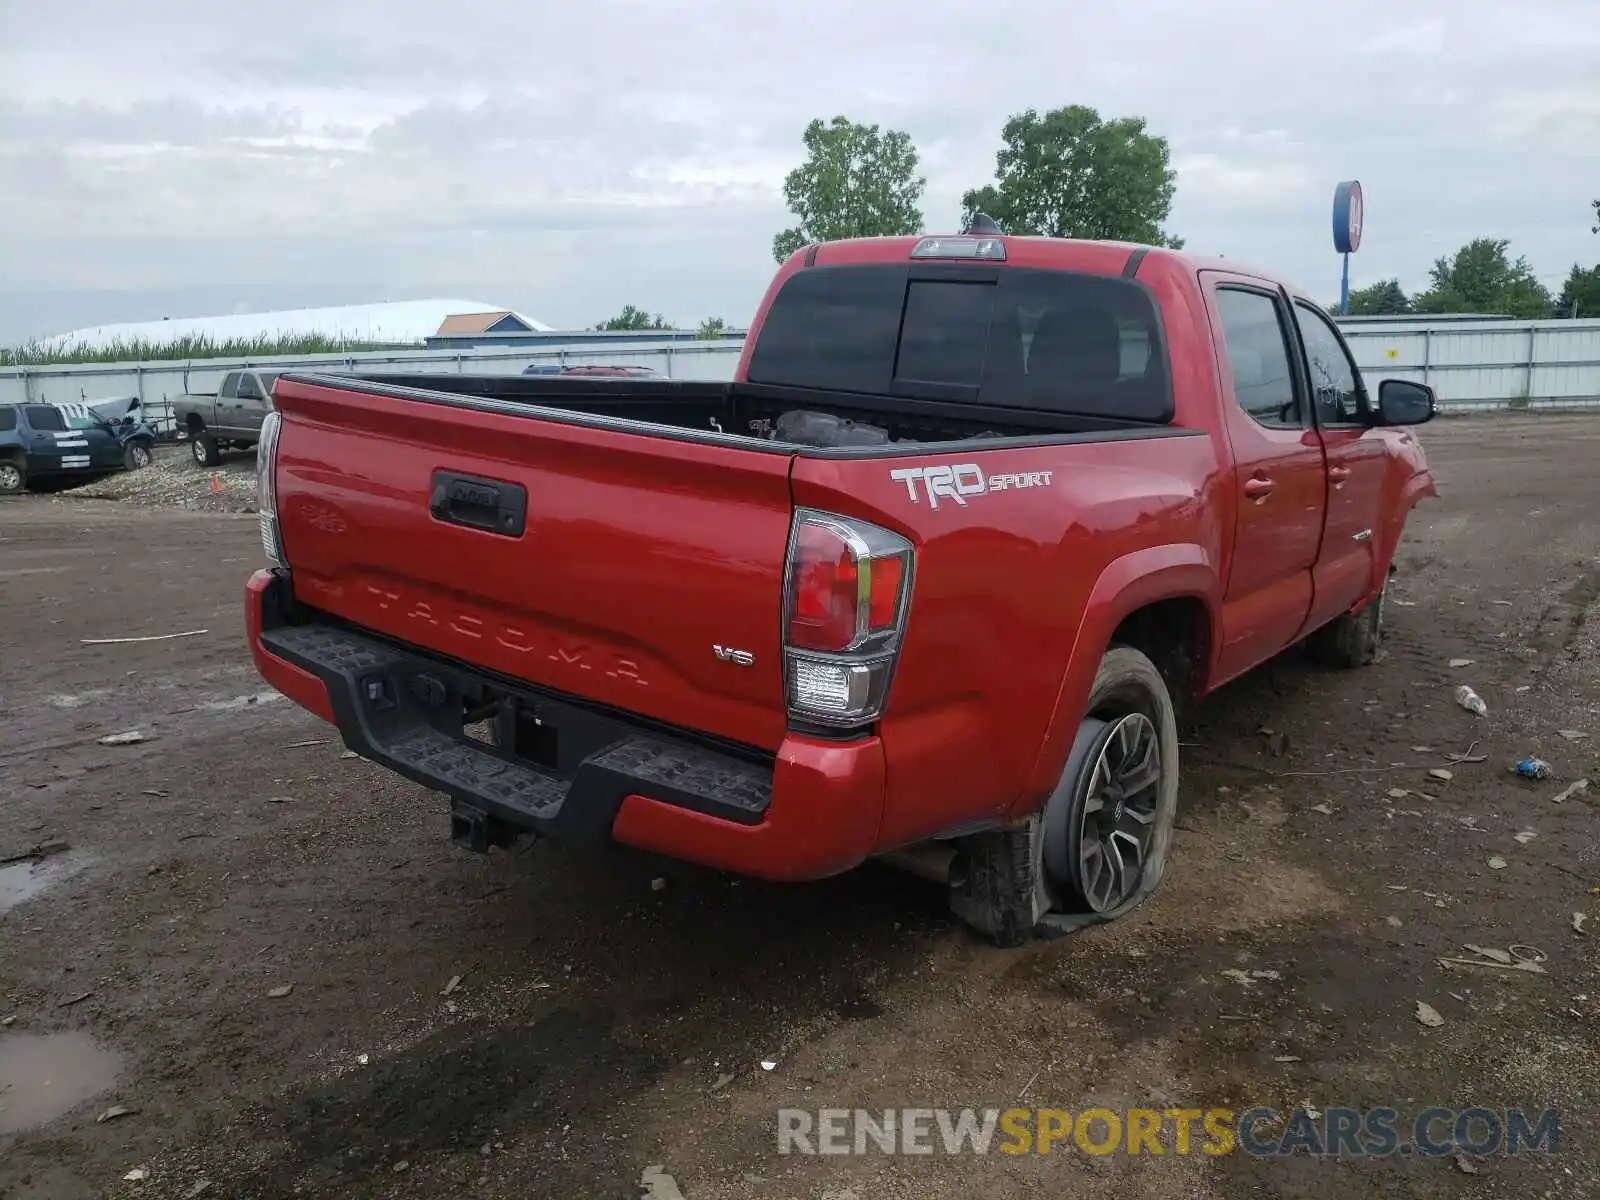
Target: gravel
pixel 174 481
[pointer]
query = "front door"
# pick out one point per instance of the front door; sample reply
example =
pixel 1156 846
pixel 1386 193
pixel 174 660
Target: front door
pixel 105 448
pixel 1279 476
pixel 1347 569
pixel 252 406
pixel 227 410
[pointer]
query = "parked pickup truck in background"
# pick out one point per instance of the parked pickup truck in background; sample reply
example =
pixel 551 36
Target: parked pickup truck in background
pixel 930 580
pixel 228 420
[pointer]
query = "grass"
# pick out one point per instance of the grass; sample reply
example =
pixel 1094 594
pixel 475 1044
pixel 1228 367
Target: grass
pixel 193 346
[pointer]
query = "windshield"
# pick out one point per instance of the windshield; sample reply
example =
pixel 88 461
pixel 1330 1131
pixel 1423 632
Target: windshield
pixel 1056 341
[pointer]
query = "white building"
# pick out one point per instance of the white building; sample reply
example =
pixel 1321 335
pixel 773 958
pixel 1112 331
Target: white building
pixel 399 322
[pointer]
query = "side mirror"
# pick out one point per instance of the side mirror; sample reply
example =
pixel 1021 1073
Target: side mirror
pixel 1402 402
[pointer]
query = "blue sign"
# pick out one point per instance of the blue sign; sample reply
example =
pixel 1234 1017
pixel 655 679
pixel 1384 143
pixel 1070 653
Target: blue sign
pixel 1347 214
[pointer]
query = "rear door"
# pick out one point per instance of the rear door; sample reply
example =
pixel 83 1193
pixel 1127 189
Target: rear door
pixel 1278 471
pixel 1347 568
pixel 54 445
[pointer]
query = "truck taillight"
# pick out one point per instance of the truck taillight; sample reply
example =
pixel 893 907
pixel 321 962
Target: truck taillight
pixel 847 594
pixel 267 490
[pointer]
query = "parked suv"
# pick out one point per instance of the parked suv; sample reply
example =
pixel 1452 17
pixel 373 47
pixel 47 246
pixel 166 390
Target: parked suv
pixel 43 441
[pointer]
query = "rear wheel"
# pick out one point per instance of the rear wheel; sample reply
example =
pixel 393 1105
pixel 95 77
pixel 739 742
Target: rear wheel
pixel 137 456
pixel 13 477
pixel 1100 845
pixel 204 448
pixel 1098 841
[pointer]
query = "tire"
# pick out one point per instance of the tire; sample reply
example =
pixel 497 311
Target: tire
pixel 13 477
pixel 1355 638
pixel 204 448
pixel 1042 878
pixel 138 456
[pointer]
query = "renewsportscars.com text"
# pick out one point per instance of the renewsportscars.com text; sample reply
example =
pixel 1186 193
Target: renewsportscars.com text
pixel 1261 1132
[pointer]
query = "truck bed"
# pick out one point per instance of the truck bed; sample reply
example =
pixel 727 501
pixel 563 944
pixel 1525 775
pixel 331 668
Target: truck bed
pixel 834 422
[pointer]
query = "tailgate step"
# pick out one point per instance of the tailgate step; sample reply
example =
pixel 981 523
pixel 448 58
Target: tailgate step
pixel 467 771
pixel 736 784
pixel 405 710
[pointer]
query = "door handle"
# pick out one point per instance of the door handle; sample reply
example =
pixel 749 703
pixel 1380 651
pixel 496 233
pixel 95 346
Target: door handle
pixel 485 504
pixel 1258 489
pixel 1338 474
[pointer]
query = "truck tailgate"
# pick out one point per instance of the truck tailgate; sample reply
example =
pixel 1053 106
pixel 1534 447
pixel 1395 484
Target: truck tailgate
pixel 613 567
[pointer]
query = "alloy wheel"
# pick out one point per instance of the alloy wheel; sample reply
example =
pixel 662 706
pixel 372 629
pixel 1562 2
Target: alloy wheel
pixel 1118 812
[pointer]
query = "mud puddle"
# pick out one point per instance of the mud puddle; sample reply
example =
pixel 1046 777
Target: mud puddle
pixel 26 880
pixel 45 1075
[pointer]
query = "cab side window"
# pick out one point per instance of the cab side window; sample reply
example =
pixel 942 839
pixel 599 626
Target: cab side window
pixel 45 418
pixel 248 388
pixel 1336 388
pixel 1259 357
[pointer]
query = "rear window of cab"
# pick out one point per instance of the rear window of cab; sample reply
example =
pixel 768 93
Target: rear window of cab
pixel 1011 337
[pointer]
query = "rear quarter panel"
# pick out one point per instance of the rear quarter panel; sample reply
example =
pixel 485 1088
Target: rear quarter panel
pixel 1016 594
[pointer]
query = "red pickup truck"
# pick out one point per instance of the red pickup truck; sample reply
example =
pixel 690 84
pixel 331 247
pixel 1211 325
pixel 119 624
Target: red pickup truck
pixel 927 580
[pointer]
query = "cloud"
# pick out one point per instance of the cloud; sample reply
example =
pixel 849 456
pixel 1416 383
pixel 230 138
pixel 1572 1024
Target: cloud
pixel 566 160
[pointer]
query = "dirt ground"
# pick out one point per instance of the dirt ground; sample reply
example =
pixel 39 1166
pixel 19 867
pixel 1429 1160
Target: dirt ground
pixel 604 1024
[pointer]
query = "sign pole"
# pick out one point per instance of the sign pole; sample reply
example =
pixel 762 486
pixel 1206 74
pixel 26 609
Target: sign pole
pixel 1348 214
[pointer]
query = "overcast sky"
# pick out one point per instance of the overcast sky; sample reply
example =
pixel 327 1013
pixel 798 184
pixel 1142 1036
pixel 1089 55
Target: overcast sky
pixel 190 157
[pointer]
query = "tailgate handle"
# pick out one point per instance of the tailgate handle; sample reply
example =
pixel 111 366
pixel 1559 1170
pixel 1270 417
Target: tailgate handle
pixel 486 504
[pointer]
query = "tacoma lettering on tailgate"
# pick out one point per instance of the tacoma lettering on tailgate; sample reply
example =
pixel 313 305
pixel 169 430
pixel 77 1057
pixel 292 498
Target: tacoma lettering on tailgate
pixel 570 656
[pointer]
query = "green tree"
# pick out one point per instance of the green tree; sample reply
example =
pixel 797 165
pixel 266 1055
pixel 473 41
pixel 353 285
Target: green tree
pixel 711 329
pixel 1069 173
pixel 1480 278
pixel 1596 205
pixel 633 318
pixel 857 181
pixel 1580 297
pixel 1383 299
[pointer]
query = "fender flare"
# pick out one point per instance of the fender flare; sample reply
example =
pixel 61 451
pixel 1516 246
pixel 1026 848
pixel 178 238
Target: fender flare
pixel 1180 570
pixel 1418 488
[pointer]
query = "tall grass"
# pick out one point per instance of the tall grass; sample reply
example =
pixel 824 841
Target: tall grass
pixel 191 346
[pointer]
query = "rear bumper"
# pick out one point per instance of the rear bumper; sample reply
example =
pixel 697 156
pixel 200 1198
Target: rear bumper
pixel 811 810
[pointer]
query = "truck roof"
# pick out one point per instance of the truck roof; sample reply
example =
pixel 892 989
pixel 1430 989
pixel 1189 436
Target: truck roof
pixel 1075 254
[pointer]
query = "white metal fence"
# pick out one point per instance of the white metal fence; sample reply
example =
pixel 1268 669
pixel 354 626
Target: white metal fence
pixel 1477 365
pixel 1473 365
pixel 158 383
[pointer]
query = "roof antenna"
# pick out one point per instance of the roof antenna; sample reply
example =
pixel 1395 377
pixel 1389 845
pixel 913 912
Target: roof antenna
pixel 984 224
